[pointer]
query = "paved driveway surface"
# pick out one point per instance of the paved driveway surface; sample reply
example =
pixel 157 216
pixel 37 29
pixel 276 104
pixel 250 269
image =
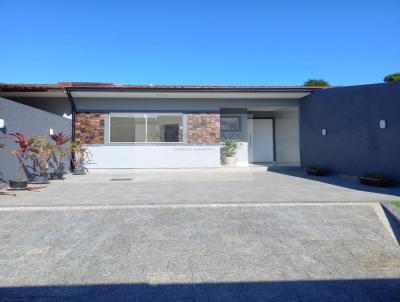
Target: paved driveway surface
pixel 92 239
pixel 198 186
pixel 221 253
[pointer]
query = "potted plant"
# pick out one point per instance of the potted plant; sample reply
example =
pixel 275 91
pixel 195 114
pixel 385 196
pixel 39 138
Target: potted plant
pixel 24 150
pixel 312 170
pixel 229 150
pixel 41 158
pixel 2 146
pixel 60 142
pixel 375 179
pixel 80 155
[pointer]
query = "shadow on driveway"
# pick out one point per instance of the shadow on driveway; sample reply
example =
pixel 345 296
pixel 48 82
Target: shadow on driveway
pixel 296 291
pixel 336 180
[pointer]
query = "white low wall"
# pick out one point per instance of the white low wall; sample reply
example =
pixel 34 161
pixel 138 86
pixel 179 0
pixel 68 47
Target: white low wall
pixel 243 154
pixel 154 156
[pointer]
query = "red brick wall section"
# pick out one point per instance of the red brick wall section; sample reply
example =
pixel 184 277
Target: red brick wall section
pixel 89 128
pixel 203 128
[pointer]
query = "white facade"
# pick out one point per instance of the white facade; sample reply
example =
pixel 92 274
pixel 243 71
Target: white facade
pixel 281 140
pixel 154 156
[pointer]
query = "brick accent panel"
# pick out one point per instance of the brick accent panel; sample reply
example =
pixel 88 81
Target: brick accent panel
pixel 89 128
pixel 203 128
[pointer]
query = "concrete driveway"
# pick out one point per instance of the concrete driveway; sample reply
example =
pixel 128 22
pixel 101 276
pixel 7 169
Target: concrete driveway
pixel 91 238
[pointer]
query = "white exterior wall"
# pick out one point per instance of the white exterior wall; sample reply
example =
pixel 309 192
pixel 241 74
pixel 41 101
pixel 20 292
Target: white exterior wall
pixel 287 136
pixel 190 156
pixel 243 154
pixel 154 156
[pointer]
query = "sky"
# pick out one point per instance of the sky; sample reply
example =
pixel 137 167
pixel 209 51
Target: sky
pixel 203 42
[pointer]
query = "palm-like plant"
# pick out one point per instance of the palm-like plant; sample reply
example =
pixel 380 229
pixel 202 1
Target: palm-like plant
pixel 60 141
pixel 2 146
pixel 80 155
pixel 42 157
pixel 26 147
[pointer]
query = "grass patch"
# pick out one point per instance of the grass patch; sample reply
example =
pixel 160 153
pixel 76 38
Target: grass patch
pixel 397 203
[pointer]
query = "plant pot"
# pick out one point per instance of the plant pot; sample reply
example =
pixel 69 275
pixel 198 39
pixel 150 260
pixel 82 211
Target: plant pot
pixel 18 184
pixel 78 171
pixel 230 160
pixel 41 179
pixel 377 182
pixel 317 172
pixel 56 175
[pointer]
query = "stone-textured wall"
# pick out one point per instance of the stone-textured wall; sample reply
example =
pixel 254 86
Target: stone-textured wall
pixel 203 128
pixel 89 128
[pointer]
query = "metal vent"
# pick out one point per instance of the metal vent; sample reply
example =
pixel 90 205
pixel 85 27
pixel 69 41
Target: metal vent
pixel 120 179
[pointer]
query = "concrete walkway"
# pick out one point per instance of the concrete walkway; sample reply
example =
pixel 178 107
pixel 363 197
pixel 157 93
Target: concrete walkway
pixel 199 186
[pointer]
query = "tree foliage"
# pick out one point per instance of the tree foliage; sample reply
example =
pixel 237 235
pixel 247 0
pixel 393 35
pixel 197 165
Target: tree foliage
pixel 316 83
pixel 394 77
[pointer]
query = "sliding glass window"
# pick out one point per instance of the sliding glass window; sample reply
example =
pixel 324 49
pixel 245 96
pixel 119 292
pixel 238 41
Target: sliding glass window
pixel 145 127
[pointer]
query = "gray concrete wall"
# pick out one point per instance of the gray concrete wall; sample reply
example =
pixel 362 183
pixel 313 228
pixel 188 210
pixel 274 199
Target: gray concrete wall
pixel 354 143
pixel 176 105
pixel 54 105
pixel 29 121
pixel 287 136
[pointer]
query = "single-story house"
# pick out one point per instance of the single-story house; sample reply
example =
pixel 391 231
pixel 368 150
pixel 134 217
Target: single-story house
pixel 176 126
pixel 149 126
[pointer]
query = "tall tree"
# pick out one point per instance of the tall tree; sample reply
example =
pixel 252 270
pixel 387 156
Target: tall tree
pixel 316 83
pixel 394 77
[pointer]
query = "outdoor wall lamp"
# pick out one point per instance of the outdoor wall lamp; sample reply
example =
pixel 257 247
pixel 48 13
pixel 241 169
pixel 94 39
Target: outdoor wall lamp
pixel 382 124
pixel 324 132
pixel 51 131
pixel 2 124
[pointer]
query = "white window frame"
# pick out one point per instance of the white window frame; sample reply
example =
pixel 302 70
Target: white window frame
pixel 145 115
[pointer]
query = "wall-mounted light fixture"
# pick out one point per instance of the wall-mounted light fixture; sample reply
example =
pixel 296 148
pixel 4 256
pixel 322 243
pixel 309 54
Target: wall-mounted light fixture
pixel 2 123
pixel 323 131
pixel 382 124
pixel 51 131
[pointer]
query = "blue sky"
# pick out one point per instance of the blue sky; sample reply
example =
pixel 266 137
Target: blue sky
pixel 222 42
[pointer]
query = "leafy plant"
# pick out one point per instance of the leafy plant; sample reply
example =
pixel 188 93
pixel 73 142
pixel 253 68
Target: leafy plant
pixel 80 155
pixel 42 157
pixel 314 170
pixel 2 146
pixel 26 147
pixel 375 179
pixel 394 77
pixel 60 141
pixel 316 83
pixel 230 148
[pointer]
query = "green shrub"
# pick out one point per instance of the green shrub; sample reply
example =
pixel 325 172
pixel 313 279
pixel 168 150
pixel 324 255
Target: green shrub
pixel 316 83
pixel 230 147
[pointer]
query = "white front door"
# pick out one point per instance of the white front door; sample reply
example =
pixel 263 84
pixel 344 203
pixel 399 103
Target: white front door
pixel 261 140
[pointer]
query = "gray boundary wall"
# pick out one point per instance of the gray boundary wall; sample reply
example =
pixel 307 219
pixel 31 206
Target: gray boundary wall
pixel 354 143
pixel 29 121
